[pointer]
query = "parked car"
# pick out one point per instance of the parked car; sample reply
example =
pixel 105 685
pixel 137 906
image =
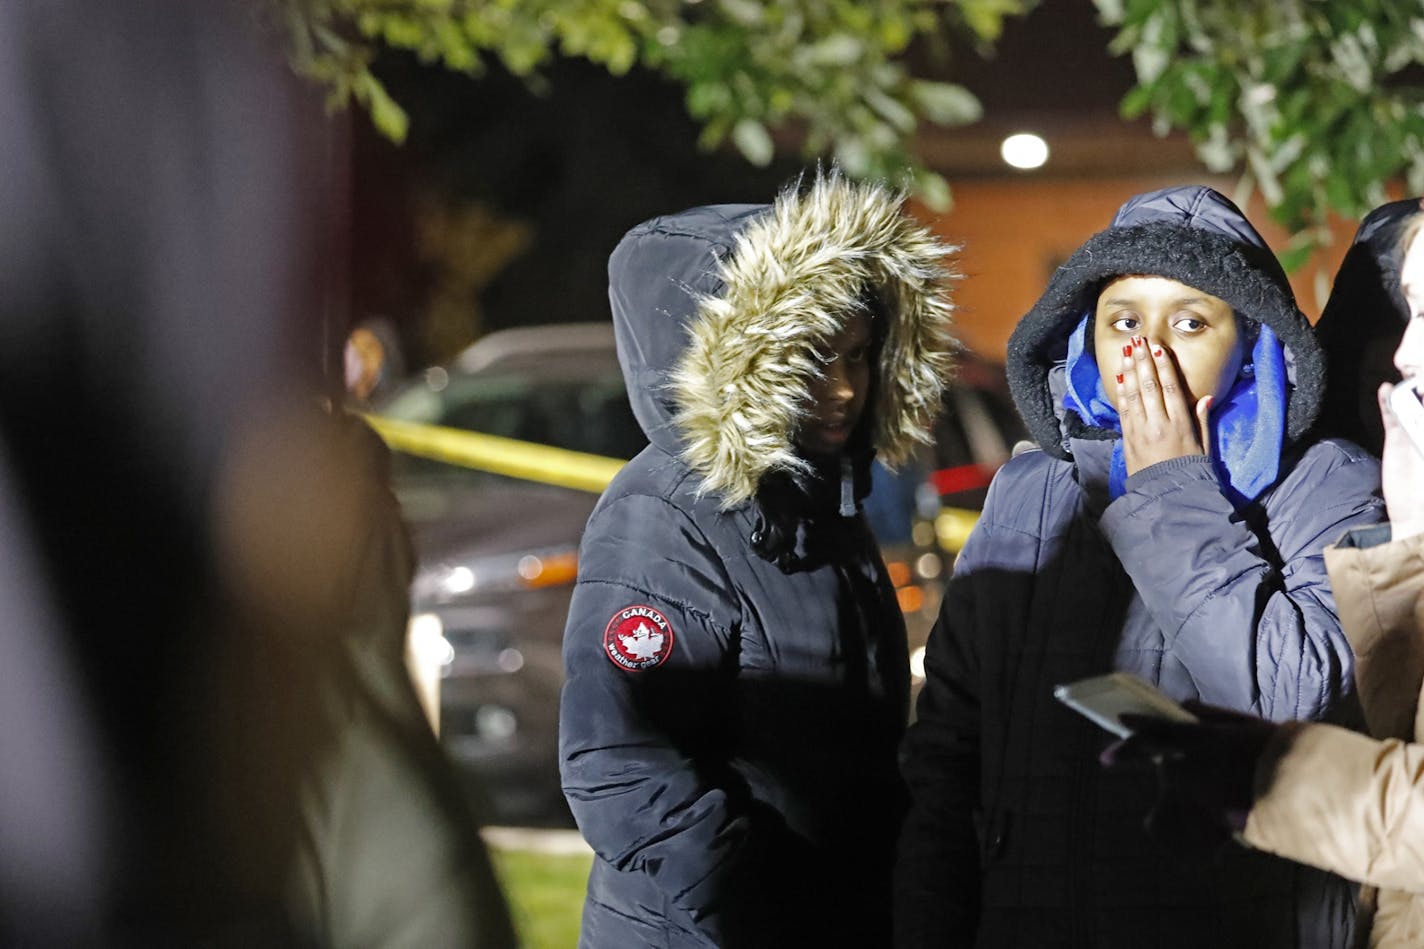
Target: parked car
pixel 497 557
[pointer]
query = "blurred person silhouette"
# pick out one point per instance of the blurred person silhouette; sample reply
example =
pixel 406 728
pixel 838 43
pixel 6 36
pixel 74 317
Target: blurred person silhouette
pixel 1360 327
pixel 1319 794
pixel 1172 525
pixel 372 361
pixel 737 669
pixel 209 736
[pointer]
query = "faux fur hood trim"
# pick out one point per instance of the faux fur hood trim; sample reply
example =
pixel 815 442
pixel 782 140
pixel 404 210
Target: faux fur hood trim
pixel 1193 235
pixel 781 281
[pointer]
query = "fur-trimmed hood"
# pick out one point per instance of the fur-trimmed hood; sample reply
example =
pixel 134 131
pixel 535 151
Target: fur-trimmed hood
pixel 718 312
pixel 1193 235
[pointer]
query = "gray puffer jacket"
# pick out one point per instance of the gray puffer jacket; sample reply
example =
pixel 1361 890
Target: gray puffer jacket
pixel 737 672
pixel 1016 837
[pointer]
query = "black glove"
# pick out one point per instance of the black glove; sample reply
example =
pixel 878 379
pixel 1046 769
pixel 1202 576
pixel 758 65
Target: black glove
pixel 1205 772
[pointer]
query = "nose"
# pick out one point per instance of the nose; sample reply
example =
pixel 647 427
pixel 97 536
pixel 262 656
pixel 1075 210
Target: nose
pixel 835 383
pixel 1409 357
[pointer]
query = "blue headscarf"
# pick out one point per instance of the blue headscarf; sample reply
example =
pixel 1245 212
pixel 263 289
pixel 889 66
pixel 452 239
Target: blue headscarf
pixel 1248 425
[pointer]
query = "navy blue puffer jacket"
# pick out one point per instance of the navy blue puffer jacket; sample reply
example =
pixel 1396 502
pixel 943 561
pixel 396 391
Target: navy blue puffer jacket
pixel 737 678
pixel 1016 837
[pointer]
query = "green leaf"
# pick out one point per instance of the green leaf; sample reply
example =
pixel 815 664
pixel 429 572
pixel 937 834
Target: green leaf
pixel 705 98
pixel 1137 101
pixel 840 49
pixel 931 188
pixel 1110 12
pixel 388 117
pixel 743 12
pixel 1149 61
pixel 896 33
pixel 754 142
pixel 945 103
pixel 986 17
pixel 1295 255
pixel 714 133
pixel 891 110
pixel 853 156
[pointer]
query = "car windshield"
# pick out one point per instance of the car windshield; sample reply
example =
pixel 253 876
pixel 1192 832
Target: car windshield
pixel 586 413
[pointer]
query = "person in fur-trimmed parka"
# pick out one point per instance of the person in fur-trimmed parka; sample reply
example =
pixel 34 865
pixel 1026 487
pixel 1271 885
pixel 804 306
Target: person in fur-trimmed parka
pixel 1172 525
pixel 737 676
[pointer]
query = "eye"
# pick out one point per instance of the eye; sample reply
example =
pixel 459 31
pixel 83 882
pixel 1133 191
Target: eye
pixel 857 355
pixel 1125 324
pixel 1188 325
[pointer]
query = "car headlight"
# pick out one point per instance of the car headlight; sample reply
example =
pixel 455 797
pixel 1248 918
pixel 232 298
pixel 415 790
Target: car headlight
pixel 917 664
pixel 526 570
pixel 427 640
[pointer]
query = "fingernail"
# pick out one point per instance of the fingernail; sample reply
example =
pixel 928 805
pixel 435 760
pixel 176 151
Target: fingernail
pixel 1157 352
pixel 1137 340
pixel 1119 378
pixel 1127 350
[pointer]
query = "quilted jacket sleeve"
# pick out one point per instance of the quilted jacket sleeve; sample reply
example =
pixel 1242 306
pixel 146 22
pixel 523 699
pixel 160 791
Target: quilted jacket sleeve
pixel 638 747
pixel 1250 624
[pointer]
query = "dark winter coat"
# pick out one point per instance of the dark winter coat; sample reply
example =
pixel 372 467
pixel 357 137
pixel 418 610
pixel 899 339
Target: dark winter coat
pixel 736 661
pixel 1016 837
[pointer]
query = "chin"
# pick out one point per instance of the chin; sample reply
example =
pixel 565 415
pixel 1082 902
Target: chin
pixel 821 448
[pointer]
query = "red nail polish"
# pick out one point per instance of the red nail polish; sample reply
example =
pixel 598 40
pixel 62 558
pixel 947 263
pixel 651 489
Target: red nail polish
pixel 1127 350
pixel 1119 378
pixel 1157 353
pixel 1137 340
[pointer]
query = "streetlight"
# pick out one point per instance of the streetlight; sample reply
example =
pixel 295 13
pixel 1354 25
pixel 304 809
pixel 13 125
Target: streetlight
pixel 1024 151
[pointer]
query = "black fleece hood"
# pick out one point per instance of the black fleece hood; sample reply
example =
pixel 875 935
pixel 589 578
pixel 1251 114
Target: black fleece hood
pixel 1193 235
pixel 1362 324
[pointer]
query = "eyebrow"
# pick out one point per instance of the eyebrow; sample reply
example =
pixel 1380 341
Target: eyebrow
pixel 1183 301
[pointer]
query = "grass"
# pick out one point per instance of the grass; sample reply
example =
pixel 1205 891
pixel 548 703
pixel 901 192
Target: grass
pixel 545 894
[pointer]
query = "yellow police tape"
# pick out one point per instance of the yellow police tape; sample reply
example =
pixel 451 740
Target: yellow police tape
pixel 505 456
pixel 567 469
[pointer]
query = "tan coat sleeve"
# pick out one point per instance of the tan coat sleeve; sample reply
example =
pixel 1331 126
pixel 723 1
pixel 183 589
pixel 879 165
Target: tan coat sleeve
pixel 1343 802
pixel 1380 595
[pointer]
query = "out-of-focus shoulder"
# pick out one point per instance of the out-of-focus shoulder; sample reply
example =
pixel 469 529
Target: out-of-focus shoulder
pixel 1030 464
pixel 1018 492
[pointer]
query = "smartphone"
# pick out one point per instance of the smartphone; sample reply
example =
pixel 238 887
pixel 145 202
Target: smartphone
pixel 1105 699
pixel 1404 403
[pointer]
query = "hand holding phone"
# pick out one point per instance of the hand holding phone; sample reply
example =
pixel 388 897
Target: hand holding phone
pixel 1105 699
